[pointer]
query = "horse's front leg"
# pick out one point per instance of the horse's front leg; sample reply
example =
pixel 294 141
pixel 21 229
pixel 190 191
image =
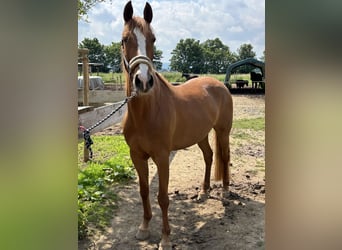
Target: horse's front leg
pixel 162 162
pixel 141 166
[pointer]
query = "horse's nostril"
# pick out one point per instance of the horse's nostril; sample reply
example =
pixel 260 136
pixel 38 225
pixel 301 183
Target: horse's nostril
pixel 150 82
pixel 143 85
pixel 138 83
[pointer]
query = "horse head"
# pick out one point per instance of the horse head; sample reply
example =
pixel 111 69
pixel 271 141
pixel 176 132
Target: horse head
pixel 137 50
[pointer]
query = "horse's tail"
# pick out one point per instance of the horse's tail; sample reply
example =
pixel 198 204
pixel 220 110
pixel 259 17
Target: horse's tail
pixel 219 160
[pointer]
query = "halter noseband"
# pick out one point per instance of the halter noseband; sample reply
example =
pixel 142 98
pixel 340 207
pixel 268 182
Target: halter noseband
pixel 135 61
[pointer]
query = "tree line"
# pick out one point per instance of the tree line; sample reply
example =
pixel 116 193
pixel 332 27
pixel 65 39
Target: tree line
pixel 211 56
pixel 191 56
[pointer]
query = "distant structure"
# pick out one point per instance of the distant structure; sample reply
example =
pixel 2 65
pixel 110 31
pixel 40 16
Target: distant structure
pixel 249 61
pixel 189 76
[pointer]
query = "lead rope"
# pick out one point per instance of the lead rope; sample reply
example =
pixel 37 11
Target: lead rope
pixel 86 131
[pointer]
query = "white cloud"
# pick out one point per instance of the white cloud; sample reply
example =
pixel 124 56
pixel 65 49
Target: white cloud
pixel 235 29
pixel 235 22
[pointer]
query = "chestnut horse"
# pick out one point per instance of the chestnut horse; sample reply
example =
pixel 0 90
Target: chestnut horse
pixel 161 118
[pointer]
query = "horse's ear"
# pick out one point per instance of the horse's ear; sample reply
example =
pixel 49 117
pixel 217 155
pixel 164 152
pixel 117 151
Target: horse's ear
pixel 128 11
pixel 148 13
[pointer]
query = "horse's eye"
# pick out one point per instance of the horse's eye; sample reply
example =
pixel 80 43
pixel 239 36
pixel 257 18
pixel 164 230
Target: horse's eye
pixel 124 40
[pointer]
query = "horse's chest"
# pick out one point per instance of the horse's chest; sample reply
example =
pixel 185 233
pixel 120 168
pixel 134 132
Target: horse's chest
pixel 145 138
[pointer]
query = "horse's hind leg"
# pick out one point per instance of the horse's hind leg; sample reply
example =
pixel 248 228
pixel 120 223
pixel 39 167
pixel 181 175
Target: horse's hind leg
pixel 224 150
pixel 226 159
pixel 208 159
pixel 142 169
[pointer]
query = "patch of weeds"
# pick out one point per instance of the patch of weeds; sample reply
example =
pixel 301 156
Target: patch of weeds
pixel 248 130
pixel 248 138
pixel 240 135
pixel 254 123
pixel 96 199
pixel 260 245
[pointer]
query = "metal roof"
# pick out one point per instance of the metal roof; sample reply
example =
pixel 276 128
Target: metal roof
pixel 94 64
pixel 250 61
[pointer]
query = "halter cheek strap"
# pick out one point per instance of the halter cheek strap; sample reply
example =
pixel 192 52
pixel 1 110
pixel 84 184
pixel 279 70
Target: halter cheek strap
pixel 126 63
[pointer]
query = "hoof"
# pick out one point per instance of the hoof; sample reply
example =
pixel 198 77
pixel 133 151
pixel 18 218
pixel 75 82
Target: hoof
pixel 165 243
pixel 165 246
pixel 225 194
pixel 143 234
pixel 202 196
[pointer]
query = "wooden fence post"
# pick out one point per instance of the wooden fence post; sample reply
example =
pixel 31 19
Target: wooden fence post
pixel 85 69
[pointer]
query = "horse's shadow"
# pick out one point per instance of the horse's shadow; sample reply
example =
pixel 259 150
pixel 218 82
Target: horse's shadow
pixel 238 223
pixel 128 216
pixel 235 222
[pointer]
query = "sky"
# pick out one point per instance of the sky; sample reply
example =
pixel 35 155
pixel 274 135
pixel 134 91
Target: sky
pixel 234 22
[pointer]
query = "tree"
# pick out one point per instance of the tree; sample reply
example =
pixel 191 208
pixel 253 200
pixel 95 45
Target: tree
pixel 158 55
pixel 84 6
pixel 113 56
pixel 96 51
pixel 262 58
pixel 217 56
pixel 245 51
pixel 187 56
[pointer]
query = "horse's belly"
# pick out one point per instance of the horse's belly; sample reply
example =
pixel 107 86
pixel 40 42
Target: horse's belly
pixel 189 137
pixel 193 126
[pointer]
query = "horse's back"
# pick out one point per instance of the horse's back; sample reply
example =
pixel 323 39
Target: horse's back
pixel 207 91
pixel 206 84
pixel 201 104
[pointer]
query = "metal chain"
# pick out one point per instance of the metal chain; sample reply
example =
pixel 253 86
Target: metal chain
pixel 108 116
pixel 86 131
pixel 88 142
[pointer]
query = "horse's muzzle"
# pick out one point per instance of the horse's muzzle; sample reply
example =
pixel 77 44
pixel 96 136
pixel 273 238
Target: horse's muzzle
pixel 142 85
pixel 141 67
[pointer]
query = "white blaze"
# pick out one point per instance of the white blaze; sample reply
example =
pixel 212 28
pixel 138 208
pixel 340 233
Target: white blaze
pixel 143 68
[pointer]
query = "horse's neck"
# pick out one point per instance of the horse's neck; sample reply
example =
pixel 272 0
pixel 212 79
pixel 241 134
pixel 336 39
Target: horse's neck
pixel 141 111
pixel 143 106
pixel 161 79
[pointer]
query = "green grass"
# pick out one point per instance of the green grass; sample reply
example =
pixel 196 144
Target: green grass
pixel 173 76
pixel 241 135
pixel 254 124
pixel 112 77
pixel 219 77
pixel 247 135
pixel 177 76
pixel 242 130
pixel 96 199
pixel 170 76
pixel 240 77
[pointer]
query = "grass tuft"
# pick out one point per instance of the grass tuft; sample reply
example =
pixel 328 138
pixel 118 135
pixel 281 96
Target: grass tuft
pixel 254 124
pixel 96 198
pixel 248 137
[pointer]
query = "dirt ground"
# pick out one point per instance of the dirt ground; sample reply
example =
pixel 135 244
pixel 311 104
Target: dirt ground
pixel 233 223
